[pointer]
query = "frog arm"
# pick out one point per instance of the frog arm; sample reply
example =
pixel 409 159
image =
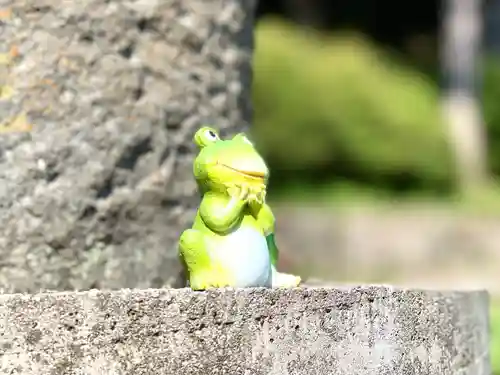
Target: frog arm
pixel 266 220
pixel 193 252
pixel 219 213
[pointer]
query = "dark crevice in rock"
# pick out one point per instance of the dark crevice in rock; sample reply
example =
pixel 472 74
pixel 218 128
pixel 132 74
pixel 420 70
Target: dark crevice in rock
pixel 184 149
pixel 101 238
pixel 147 24
pixel 117 340
pixel 173 124
pixel 142 24
pixel 151 73
pixel 110 219
pixel 214 90
pixel 138 93
pixel 127 51
pixel 95 285
pixel 165 154
pixel 88 212
pixel 107 239
pixel 51 175
pixel 131 155
pixel 195 76
pixel 41 9
pixel 105 189
pixel 169 203
pixel 193 43
pixel 216 61
pixel 58 243
pixel 87 37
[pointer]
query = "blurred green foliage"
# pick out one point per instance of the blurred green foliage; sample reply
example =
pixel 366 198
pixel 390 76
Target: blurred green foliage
pixel 340 109
pixel 491 110
pixel 336 107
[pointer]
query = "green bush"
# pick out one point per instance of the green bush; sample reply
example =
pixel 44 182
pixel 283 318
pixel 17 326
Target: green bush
pixel 339 107
pixel 491 111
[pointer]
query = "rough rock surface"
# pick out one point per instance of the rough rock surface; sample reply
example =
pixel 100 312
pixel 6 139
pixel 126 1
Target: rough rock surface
pixel 96 194
pixel 370 330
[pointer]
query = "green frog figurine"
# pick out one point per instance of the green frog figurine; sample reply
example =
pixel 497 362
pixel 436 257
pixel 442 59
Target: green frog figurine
pixel 231 242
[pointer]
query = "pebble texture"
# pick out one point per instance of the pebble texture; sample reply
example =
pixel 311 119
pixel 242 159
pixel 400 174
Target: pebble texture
pixel 340 331
pixel 95 196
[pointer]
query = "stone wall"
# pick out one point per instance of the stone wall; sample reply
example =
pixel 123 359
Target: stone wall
pixel 95 195
pixel 363 331
pixel 422 246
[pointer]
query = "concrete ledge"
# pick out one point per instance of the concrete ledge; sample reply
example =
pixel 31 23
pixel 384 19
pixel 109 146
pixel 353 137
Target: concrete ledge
pixel 368 330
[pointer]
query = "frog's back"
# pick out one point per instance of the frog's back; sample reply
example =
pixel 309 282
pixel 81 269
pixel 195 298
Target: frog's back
pixel 243 252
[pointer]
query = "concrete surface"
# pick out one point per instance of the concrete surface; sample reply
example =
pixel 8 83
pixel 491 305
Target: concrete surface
pixel 310 331
pixel 113 91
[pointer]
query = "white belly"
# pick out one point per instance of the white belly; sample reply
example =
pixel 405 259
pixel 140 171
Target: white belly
pixel 245 253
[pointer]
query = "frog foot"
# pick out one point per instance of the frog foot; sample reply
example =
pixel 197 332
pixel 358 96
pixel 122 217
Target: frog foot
pixel 285 280
pixel 201 271
pixel 206 281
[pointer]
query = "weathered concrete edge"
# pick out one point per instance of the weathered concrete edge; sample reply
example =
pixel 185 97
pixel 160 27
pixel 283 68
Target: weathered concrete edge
pixel 41 329
pixel 375 289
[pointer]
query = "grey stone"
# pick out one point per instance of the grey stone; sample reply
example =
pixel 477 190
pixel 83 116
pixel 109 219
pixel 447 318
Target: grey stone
pixel 97 194
pixel 310 331
pixel 412 245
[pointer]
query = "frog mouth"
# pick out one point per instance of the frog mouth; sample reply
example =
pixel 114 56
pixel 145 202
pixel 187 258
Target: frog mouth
pixel 251 174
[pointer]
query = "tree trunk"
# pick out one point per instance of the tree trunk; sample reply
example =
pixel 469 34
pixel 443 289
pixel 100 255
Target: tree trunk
pixel 99 191
pixel 461 46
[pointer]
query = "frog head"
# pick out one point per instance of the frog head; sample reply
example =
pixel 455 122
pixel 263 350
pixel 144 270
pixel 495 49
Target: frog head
pixel 228 165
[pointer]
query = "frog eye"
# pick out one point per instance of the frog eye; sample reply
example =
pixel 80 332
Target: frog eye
pixel 211 135
pixel 205 136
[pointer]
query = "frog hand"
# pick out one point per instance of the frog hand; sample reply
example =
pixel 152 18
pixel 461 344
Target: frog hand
pixel 285 280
